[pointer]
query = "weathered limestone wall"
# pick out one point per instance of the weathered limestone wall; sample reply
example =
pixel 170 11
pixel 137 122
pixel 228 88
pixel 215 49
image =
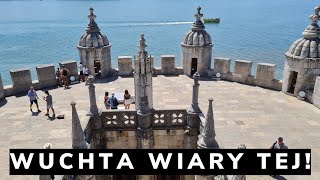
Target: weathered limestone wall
pixel 21 80
pixel 307 69
pixel 46 76
pixel 203 55
pixel 125 66
pixel 172 139
pixel 168 64
pixel 72 67
pixel 120 140
pixel 316 93
pixel 242 73
pixel 163 139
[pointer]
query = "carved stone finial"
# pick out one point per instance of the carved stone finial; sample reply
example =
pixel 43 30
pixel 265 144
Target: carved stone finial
pixel 142 42
pixel 90 80
pixel 91 16
pixel 198 15
pixel 196 76
pixel 313 30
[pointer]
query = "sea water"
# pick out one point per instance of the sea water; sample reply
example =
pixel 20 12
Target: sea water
pixel 47 32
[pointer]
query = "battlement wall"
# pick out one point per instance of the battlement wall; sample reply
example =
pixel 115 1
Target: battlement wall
pixel 265 74
pixel 46 78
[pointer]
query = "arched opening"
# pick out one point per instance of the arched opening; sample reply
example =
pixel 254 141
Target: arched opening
pixel 194 65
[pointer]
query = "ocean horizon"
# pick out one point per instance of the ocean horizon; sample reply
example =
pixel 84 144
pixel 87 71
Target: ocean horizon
pixel 33 33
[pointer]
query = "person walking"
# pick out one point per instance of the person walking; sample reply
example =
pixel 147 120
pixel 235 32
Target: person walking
pixel 32 94
pixel 49 103
pixel 127 99
pixel 113 102
pixel 64 73
pixel 106 100
pixel 58 77
pixel 81 72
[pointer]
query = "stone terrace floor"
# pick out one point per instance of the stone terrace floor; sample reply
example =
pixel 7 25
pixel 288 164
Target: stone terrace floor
pixel 243 114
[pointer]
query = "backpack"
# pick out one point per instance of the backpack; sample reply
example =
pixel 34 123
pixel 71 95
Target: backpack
pixel 115 102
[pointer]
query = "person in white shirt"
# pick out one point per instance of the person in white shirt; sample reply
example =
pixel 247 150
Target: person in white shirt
pixel 85 72
pixel 81 72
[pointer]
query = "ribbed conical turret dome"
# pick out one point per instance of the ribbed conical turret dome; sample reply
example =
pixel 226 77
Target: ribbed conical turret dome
pixel 93 38
pixel 309 45
pixel 198 36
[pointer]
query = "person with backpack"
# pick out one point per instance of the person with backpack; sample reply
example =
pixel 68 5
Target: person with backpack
pixel 64 74
pixel 58 77
pixel 113 102
pixel 106 100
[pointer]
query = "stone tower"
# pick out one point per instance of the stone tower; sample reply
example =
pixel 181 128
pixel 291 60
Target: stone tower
pixel 303 59
pixel 143 75
pixel 197 48
pixel 94 49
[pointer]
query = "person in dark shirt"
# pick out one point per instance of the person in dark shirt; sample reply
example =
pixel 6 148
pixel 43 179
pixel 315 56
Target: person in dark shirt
pixel 49 103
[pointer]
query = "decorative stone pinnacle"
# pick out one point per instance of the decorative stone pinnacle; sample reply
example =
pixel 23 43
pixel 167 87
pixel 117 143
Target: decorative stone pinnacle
pixel 196 76
pixel 198 15
pixel 142 42
pixel 313 30
pixel 90 80
pixel 91 16
pixel 72 103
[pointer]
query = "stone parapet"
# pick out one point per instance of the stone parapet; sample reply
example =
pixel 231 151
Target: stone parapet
pixel 21 80
pixel 242 68
pixel 125 66
pixel 222 65
pixel 46 76
pixel 72 67
pixel 168 63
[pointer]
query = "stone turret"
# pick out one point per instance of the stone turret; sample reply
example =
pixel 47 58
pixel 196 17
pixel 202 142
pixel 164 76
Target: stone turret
pixel 94 49
pixel 207 138
pixel 143 75
pixel 197 48
pixel 303 59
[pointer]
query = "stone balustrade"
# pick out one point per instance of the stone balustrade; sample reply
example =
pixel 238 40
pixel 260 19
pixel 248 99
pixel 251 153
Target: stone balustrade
pixel 128 119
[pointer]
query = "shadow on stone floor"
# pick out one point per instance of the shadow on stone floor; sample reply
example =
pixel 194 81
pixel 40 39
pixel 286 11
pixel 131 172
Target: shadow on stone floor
pixel 106 80
pixel 35 113
pixel 278 177
pixel 3 102
pixel 52 118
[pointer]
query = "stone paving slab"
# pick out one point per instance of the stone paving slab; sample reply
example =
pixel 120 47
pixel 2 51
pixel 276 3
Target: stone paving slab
pixel 243 114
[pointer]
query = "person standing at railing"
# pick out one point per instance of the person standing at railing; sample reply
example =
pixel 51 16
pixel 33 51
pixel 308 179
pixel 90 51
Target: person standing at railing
pixel 126 99
pixel 106 100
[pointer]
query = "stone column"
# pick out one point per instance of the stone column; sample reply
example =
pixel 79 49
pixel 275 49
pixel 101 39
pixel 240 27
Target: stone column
pixel 195 93
pixel 145 139
pixel 1 89
pixel 92 95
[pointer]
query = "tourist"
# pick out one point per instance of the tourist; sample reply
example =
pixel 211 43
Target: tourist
pixel 114 102
pixel 49 103
pixel 64 73
pixel 58 76
pixel 106 100
pixel 126 99
pixel 85 72
pixel 32 94
pixel 81 72
pixel 279 144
